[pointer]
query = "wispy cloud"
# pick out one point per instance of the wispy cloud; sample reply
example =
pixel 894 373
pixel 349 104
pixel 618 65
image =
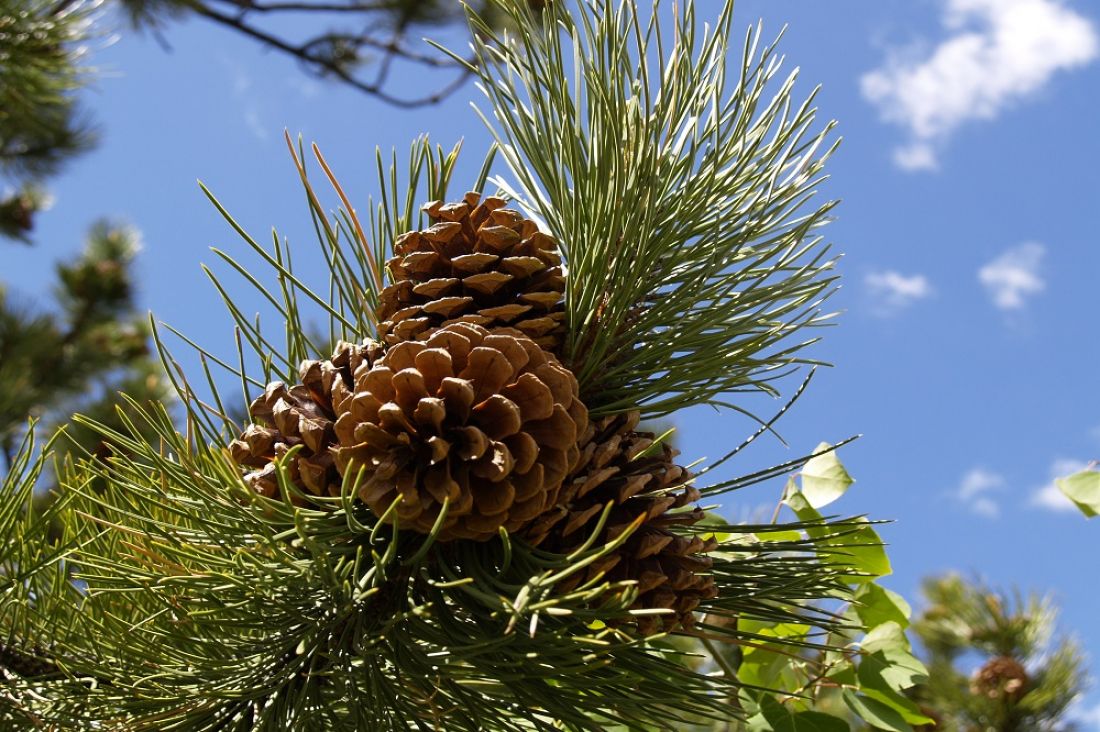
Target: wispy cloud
pixel 974 488
pixel 1014 276
pixel 254 122
pixel 995 52
pixel 1052 499
pixel 893 291
pixel 243 93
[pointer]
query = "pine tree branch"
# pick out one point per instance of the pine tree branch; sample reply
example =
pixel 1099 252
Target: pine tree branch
pixel 308 53
pixel 274 7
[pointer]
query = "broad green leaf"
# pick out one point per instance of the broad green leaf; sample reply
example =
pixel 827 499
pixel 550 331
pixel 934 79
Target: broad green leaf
pixel 758 723
pixel 866 553
pixel 824 478
pixel 777 536
pixel 891 670
pixel 801 505
pixel 782 719
pixel 875 713
pixel 1084 490
pixel 844 674
pixel 713 519
pixel 762 669
pixel 859 548
pixel 819 722
pixel 905 707
pixel 765 665
pixel 887 636
pixel 875 605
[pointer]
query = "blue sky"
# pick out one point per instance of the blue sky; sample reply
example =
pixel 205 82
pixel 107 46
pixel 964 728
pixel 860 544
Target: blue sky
pixel 970 179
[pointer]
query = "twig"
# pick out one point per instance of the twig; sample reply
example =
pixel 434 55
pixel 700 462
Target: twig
pixel 323 66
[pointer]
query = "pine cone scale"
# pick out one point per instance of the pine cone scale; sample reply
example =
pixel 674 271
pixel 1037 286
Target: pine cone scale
pixel 478 263
pixel 432 424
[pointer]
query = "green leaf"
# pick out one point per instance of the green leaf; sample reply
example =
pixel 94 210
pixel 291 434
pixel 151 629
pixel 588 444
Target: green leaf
pixel 778 536
pixel 875 713
pixel 865 552
pixel 1084 490
pixel 713 519
pixel 782 719
pixel 891 670
pixel 887 636
pixel 859 549
pixel 905 707
pixel 875 605
pixel 824 478
pixel 819 722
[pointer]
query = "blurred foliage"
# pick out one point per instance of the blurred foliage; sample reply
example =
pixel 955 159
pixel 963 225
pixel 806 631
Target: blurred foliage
pixel 41 47
pixel 79 351
pixel 993 663
pixel 79 357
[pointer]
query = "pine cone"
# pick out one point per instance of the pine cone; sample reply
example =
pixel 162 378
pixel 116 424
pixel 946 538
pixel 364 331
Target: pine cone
pixel 478 263
pixel 621 466
pixel 1002 677
pixel 285 417
pixel 486 421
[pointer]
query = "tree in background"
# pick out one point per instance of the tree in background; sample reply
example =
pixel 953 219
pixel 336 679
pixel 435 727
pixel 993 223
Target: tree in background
pixel 1020 681
pixel 78 354
pixel 41 123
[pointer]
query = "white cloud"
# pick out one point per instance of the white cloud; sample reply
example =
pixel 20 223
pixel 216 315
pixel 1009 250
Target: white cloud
pixel 893 291
pixel 1052 499
pixel 916 156
pixel 1014 275
pixel 996 52
pixel 973 490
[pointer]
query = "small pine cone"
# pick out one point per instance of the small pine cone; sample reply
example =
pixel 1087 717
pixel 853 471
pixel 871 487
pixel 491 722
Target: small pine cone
pixel 285 417
pixel 485 420
pixel 478 263
pixel 1002 677
pixel 623 467
pixel 27 663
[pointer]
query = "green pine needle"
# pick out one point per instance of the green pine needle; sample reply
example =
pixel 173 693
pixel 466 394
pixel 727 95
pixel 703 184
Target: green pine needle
pixel 681 195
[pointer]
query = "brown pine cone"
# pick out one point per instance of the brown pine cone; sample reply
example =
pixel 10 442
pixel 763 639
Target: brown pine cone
pixel 1002 677
pixel 284 417
pixel 487 422
pixel 623 467
pixel 478 263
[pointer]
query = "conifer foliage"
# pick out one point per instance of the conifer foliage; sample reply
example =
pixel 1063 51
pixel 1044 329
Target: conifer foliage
pixel 1022 679
pixel 90 342
pixel 459 524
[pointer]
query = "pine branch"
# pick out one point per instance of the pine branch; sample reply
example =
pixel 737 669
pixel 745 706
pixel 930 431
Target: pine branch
pixel 370 39
pixel 41 124
pixel 681 199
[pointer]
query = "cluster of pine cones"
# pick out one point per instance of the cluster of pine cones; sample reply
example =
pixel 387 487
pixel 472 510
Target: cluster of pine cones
pixel 463 420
